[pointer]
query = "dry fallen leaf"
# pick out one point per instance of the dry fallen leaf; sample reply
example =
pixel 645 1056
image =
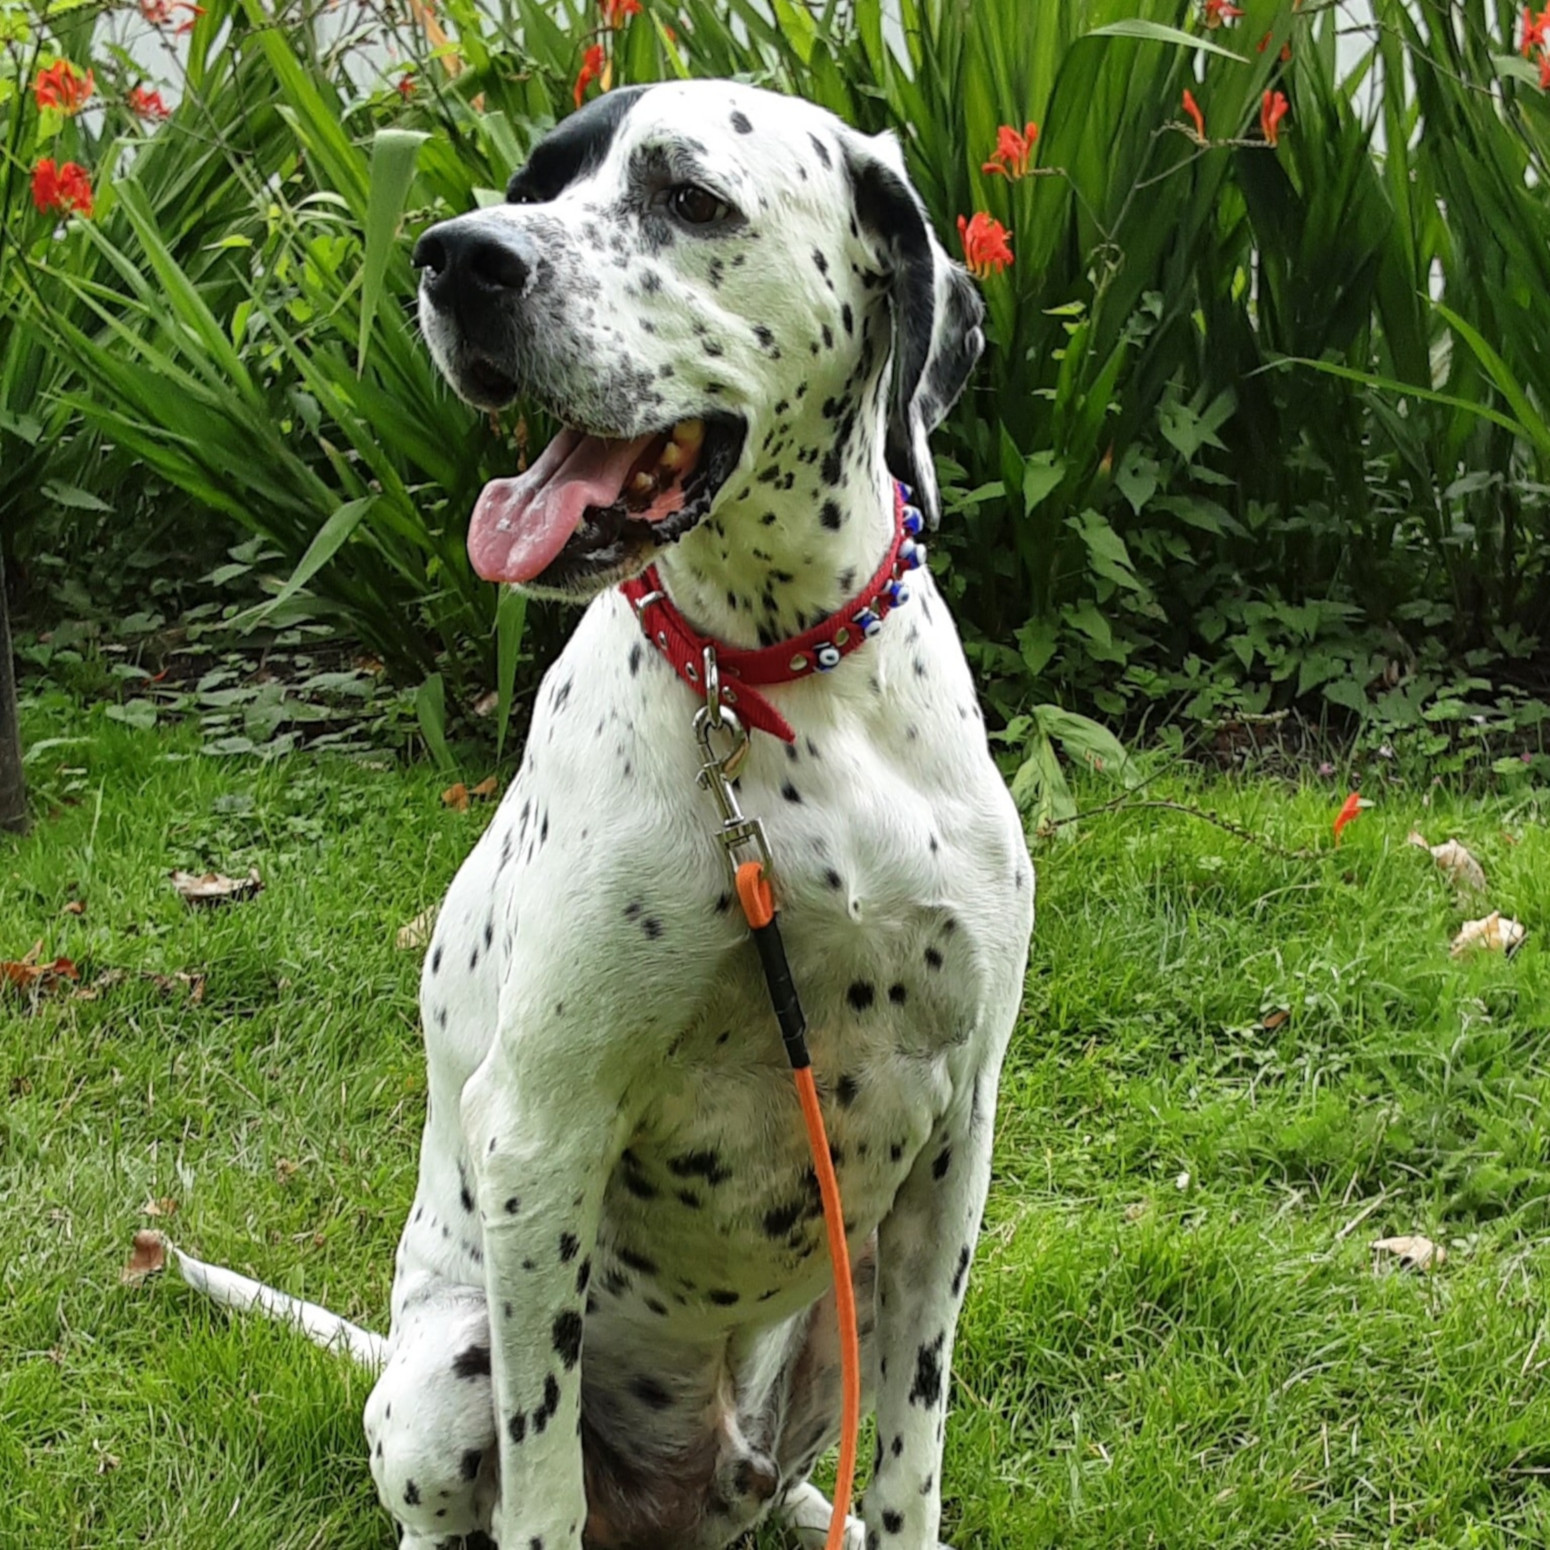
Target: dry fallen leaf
pixel 456 797
pixel 486 704
pixel 1413 1252
pixel 1460 867
pixel 213 888
pixel 1275 1019
pixel 30 974
pixel 285 1169
pixel 486 788
pixel 74 907
pixel 166 1206
pixel 146 1258
pixel 417 932
pixel 1495 932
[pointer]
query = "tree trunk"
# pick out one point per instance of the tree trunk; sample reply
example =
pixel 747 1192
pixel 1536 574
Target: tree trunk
pixel 13 789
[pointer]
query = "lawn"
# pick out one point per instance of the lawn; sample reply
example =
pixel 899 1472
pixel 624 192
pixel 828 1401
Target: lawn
pixel 1234 1072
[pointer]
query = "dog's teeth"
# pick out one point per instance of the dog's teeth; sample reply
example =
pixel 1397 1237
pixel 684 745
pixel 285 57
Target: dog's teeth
pixel 643 484
pixel 672 457
pixel 688 433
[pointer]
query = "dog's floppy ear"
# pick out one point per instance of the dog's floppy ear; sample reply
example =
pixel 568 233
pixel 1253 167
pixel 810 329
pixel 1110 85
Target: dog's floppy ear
pixel 936 310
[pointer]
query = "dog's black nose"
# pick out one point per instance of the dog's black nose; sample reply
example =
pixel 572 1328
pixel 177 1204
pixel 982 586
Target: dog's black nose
pixel 466 255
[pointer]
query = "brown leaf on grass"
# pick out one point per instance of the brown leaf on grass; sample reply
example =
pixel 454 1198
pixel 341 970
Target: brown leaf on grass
pixel 211 888
pixel 1275 1019
pixel 486 788
pixel 166 1206
pixel 456 797
pixel 417 932
pixel 147 1257
pixel 194 984
pixel 1413 1252
pixel 1455 862
pixel 31 975
pixel 1496 933
pixel 74 907
pixel 285 1169
pixel 485 706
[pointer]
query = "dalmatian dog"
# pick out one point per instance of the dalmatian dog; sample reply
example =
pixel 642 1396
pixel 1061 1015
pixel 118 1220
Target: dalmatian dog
pixel 613 1320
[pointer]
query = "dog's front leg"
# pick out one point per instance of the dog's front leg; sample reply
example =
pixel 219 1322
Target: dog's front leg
pixel 924 1248
pixel 543 1130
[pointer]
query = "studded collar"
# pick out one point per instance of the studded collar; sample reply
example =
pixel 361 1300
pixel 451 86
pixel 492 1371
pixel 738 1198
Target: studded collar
pixel 744 671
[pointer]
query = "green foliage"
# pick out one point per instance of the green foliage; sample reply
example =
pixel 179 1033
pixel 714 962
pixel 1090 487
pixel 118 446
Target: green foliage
pixel 1259 424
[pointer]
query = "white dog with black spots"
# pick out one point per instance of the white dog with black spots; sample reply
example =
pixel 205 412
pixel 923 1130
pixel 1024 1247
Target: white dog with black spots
pixel 612 1319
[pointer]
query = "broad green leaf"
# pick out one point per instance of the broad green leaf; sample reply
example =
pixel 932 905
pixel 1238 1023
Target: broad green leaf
pixel 510 616
pixel 430 705
pixel 1042 474
pixel 1156 32
pixel 393 156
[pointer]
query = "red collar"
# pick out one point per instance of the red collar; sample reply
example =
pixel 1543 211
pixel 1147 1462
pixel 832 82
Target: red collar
pixel 742 671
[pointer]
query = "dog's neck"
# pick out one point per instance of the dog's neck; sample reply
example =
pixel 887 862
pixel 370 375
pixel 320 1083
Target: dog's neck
pixel 792 541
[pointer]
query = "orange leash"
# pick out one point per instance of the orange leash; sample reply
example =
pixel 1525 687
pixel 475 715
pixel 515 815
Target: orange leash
pixel 758 901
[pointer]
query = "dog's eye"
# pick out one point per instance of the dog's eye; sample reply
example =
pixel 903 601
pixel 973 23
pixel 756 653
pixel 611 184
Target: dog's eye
pixel 697 206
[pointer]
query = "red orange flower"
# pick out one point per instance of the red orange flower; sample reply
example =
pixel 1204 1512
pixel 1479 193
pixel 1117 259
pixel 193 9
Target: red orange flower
pixel 1272 109
pixel 163 13
pixel 1013 152
pixel 62 86
pixel 404 85
pixel 617 12
pixel 1219 11
pixel 593 63
pixel 985 247
pixel 147 104
pixel 1196 116
pixel 1535 29
pixel 1349 809
pixel 61 189
pixel 1286 48
pixel 1544 72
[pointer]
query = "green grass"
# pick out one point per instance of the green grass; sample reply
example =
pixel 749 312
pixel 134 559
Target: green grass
pixel 1171 1339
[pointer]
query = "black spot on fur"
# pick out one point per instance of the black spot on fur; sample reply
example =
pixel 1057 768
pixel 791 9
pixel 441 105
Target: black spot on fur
pixel 469 1468
pixel 944 1160
pixel 647 1267
pixel 705 1165
pixel 472 1363
pixel 740 123
pixel 722 1298
pixel 583 1276
pixel 860 995
pixel 927 1387
pixel 846 1089
pixel 790 792
pixel 829 514
pixel 635 658
pixel 570 1245
pixel 962 1270
pixel 822 149
pixel 567 1338
pixel 893 1522
pixel 411 1494
pixel 898 994
pixel 933 958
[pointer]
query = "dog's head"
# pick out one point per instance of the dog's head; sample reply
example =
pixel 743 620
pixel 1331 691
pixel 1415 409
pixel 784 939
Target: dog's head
pixel 698 280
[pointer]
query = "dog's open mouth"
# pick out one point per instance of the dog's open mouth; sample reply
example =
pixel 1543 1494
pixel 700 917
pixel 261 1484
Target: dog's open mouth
pixel 598 503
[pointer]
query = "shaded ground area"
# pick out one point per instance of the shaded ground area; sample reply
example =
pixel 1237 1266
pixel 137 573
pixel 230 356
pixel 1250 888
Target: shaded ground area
pixel 1176 1334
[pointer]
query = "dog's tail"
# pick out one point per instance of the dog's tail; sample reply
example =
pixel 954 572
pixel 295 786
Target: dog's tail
pixel 237 1291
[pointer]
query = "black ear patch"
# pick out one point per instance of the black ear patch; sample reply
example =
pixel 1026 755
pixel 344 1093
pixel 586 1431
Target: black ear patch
pixel 936 320
pixel 574 146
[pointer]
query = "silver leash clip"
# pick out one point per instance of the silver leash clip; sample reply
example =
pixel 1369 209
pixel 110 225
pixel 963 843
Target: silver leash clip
pixel 718 771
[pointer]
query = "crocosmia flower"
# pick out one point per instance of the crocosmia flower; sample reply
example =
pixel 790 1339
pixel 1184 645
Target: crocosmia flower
pixel 986 250
pixel 62 86
pixel 61 189
pixel 1014 150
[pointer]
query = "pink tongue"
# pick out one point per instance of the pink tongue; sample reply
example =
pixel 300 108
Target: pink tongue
pixel 519 525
